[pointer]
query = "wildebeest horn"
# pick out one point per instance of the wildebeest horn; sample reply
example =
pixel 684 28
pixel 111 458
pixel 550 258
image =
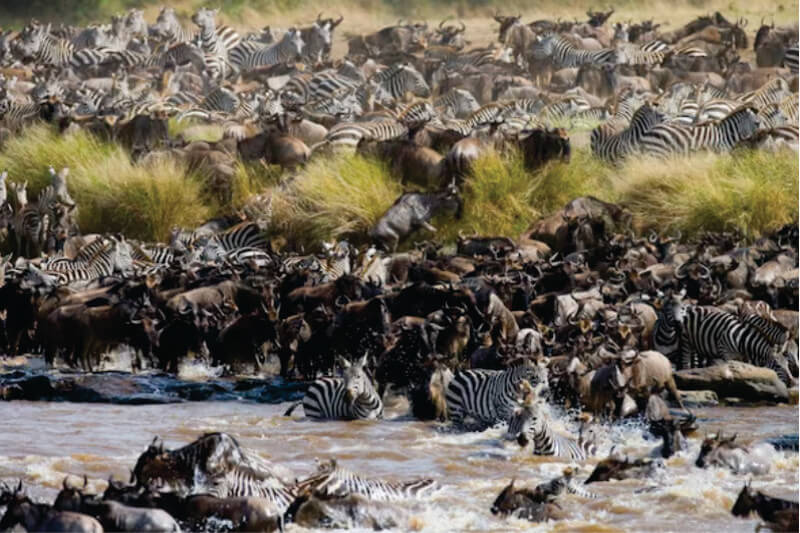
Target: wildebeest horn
pixel 706 272
pixel 463 26
pixel 64 483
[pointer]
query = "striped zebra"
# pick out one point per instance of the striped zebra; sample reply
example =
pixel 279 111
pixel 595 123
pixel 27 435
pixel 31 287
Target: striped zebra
pixel 242 235
pixel 284 51
pixel 394 82
pixel 16 115
pixel 618 146
pixel 317 39
pixel 348 135
pixel 564 54
pixel 111 256
pixel 693 336
pixel 777 138
pixel 215 462
pixel 350 397
pixel 36 42
pixel 320 85
pixel 550 490
pixel 650 54
pixel 489 396
pixel 530 424
pixel 456 103
pixel 790 59
pixel 337 260
pixel 627 104
pixel 333 480
pixel 668 139
pixel 169 28
pixel 716 109
pixel 773 91
pixel 213 39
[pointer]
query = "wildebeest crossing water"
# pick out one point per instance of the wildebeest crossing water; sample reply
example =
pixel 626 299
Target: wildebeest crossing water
pixel 52 440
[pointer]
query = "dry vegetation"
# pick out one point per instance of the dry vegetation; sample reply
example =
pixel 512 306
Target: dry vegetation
pixel 341 197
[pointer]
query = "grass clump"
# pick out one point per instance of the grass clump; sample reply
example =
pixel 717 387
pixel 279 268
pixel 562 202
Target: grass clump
pixel 113 194
pixel 750 191
pixel 333 198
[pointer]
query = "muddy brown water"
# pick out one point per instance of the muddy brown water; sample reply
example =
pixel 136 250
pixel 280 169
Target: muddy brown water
pixel 41 442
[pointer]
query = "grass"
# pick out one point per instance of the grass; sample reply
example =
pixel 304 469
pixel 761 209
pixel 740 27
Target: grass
pixel 333 197
pixel 343 196
pixel 753 191
pixel 113 194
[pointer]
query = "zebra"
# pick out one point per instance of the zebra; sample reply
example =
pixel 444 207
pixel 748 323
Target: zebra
pixel 529 423
pixel 550 490
pixel 337 260
pixel 320 85
pixel 287 49
pixel 790 59
pixel 348 135
pixel 564 54
pixel 15 115
pixel 214 462
pixel 36 42
pixel 627 105
pixel 108 257
pixel 664 140
pixel 350 397
pixel 394 82
pixel 693 336
pixel 213 39
pixel 773 91
pixel 489 396
pixel 317 39
pixel 242 235
pixel 169 28
pixel 716 109
pixel 333 480
pixel 625 142
pixel 456 103
pixel 652 53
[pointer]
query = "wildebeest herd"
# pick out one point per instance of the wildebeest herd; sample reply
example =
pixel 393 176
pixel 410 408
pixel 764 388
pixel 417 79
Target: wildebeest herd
pixel 580 313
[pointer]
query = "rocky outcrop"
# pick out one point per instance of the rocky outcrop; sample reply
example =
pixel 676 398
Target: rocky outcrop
pixel 735 379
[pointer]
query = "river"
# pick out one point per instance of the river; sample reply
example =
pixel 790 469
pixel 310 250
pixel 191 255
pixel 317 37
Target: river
pixel 41 442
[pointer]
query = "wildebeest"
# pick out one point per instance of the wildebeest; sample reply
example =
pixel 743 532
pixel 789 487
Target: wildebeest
pixel 412 211
pixel 779 514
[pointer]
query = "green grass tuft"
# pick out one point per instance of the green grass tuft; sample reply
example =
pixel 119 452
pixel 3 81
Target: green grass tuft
pixel 113 194
pixel 338 197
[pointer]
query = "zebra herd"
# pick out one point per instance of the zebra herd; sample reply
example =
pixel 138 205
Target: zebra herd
pixel 685 93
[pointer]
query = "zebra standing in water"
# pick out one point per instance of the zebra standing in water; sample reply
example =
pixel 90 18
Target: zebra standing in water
pixel 350 397
pixel 529 423
pixel 333 480
pixel 668 139
pixel 489 396
pixel 215 463
pixel 693 336
pixel 564 54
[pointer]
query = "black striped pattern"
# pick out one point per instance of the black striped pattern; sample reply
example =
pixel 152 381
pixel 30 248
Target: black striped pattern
pixel 616 147
pixel 287 49
pixel 488 396
pixel 333 480
pixel 564 54
pixel 351 397
pixel 530 424
pixel 664 140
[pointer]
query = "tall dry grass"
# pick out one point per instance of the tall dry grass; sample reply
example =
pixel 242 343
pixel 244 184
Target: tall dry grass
pixel 113 194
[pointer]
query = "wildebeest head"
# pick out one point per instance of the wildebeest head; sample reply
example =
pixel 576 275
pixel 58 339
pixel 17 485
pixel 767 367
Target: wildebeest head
pixel 504 503
pixel 152 465
pixel 745 503
pixel 710 446
pixel 70 496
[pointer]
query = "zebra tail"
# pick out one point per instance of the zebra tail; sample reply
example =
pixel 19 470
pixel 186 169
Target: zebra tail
pixel 292 408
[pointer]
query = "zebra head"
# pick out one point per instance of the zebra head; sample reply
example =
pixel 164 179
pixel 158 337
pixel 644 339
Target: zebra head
pixel 166 22
pixel 527 415
pixel 204 18
pixel 741 123
pixel 673 308
pixel 293 39
pixel 414 81
pixel 31 40
pixel 152 465
pixel 356 381
pixel 135 24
